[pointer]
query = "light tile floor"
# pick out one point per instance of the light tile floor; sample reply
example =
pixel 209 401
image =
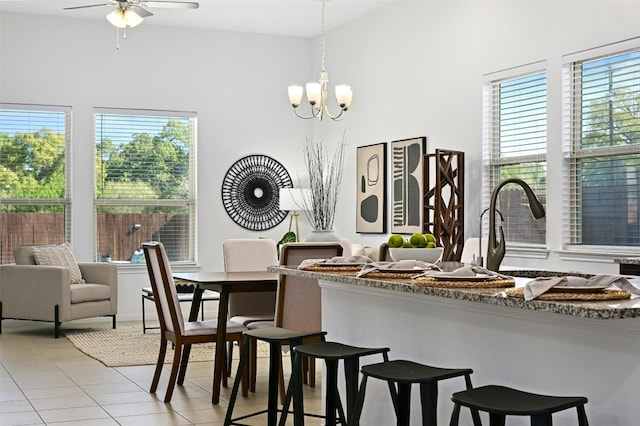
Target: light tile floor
pixel 48 381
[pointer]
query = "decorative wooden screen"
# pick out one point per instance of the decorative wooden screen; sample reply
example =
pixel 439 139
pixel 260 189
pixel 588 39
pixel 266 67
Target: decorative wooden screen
pixel 444 200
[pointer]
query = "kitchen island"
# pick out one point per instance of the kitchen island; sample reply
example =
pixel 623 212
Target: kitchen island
pixel 557 348
pixel 629 266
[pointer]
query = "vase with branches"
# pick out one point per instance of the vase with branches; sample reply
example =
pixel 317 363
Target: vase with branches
pixel 325 178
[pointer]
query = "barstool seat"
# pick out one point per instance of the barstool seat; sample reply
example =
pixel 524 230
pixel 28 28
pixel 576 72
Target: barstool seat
pixel 403 374
pixel 331 353
pixel 501 401
pixel 276 337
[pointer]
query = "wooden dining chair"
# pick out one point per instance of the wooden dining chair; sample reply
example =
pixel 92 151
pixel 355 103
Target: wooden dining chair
pixel 173 327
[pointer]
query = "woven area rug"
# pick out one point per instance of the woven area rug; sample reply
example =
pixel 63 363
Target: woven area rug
pixel 128 346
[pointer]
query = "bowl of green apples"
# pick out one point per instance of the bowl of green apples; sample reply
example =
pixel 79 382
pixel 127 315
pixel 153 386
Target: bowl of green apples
pixel 420 247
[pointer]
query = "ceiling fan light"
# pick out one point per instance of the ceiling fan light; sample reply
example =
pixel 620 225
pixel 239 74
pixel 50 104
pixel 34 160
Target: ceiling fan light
pixel 116 18
pixel 132 19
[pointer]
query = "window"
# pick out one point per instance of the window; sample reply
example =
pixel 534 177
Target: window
pixel 515 120
pixel 35 203
pixel 604 150
pixel 145 182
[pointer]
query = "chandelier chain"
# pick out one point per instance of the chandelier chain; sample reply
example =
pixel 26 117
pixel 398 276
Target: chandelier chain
pixel 322 46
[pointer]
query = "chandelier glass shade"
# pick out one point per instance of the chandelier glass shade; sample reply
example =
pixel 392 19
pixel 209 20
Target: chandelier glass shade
pixel 317 91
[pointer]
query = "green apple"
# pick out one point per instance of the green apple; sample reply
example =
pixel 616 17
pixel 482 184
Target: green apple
pixel 418 240
pixel 430 238
pixel 407 244
pixel 395 241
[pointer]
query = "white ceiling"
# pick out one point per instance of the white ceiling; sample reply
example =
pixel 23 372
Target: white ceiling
pixel 299 18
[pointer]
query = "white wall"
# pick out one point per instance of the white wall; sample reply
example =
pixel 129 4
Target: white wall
pixel 416 68
pixel 235 82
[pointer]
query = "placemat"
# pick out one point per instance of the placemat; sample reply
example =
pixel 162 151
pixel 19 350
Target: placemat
pixel 391 275
pixel 489 283
pixel 336 268
pixel 607 294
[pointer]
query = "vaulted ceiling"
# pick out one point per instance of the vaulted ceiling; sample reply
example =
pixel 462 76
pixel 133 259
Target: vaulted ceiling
pixel 300 18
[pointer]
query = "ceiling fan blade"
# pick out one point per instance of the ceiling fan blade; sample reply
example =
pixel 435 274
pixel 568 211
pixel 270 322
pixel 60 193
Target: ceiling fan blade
pixel 172 4
pixel 141 11
pixel 88 5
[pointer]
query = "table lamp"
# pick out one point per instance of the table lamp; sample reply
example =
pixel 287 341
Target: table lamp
pixel 293 200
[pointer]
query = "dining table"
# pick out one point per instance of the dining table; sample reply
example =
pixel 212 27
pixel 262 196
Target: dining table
pixel 224 283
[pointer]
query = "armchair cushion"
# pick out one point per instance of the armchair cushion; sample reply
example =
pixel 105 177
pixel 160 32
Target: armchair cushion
pixel 61 255
pixel 89 292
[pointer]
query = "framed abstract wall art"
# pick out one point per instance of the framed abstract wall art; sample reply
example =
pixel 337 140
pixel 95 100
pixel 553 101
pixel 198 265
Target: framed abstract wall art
pixel 407 185
pixel 371 176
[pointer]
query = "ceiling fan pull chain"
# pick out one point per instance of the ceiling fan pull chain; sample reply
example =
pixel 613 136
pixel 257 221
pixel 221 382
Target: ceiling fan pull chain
pixel 117 38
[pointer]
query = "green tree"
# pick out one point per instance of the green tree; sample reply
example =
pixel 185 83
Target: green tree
pixel 160 162
pixel 33 166
pixel 608 123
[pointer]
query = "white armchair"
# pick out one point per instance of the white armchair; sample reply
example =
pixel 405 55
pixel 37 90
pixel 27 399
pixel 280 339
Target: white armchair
pixel 40 292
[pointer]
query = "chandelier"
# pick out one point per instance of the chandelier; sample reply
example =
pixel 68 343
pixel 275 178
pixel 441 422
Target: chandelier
pixel 317 91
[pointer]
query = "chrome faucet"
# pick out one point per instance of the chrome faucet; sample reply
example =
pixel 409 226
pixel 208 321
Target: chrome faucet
pixel 497 250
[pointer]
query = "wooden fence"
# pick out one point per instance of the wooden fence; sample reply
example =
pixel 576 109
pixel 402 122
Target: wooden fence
pixel 118 235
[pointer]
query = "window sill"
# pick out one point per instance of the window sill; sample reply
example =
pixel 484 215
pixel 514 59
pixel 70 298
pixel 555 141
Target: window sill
pixel 529 252
pixel 135 268
pixel 596 254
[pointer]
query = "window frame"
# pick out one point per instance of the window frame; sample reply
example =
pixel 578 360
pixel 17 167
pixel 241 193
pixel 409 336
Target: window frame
pixel 491 145
pixel 66 201
pixel 190 202
pixel 573 152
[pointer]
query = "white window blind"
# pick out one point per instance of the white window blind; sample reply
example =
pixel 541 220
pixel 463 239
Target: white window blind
pixel 604 154
pixel 516 118
pixel 145 182
pixel 34 176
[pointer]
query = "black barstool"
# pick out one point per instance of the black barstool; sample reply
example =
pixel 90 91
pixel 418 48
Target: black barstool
pixel 501 401
pixel 276 337
pixel 331 353
pixel 403 374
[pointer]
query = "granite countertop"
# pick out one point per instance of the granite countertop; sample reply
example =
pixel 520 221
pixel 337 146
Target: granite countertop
pixel 610 309
pixel 628 260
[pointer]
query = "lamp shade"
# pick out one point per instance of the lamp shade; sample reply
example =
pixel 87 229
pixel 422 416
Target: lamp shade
pixel 295 95
pixel 294 199
pixel 132 19
pixel 124 18
pixel 344 96
pixel 314 93
pixel 116 18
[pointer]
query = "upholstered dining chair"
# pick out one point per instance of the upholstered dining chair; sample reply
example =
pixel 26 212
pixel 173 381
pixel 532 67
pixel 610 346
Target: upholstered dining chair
pixel 298 301
pixel 173 328
pixel 245 255
pixel 298 305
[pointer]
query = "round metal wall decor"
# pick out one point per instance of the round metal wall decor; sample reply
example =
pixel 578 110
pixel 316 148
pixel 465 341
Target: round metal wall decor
pixel 250 192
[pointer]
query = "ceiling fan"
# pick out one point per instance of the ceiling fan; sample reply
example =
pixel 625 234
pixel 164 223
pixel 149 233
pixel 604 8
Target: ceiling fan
pixel 131 13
